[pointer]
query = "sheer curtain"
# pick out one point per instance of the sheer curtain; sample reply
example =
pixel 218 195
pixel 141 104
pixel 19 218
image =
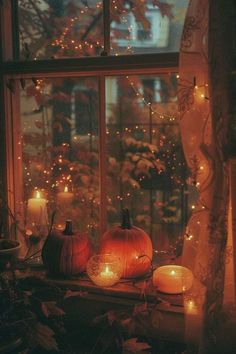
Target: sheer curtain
pixel 205 113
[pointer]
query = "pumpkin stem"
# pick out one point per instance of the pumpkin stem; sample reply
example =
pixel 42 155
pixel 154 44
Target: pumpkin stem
pixel 126 224
pixel 68 228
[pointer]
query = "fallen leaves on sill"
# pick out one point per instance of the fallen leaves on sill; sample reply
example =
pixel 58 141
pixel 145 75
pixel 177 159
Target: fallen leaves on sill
pixel 73 293
pixel 50 308
pixel 133 346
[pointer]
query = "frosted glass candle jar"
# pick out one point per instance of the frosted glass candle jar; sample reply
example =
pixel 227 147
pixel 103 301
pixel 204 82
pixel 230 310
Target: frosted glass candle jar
pixel 172 279
pixel 104 269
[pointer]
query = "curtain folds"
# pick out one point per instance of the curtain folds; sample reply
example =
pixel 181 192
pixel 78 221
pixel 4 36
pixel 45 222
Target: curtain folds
pixel 204 105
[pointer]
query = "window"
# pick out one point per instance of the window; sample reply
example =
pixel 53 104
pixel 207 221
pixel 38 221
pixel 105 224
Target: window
pixel 87 137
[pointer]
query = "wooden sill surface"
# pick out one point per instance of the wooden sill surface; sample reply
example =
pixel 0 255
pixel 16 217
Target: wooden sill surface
pixel 124 291
pixel 164 320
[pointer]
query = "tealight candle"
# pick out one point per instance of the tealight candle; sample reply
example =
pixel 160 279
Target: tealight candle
pixel 104 270
pixel 65 197
pixel 37 210
pixel 172 279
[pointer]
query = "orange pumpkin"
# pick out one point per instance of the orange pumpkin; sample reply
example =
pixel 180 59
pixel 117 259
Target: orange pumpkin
pixel 66 252
pixel 131 244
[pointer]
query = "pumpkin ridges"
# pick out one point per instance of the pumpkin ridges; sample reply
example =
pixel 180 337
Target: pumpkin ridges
pixel 129 243
pixel 66 254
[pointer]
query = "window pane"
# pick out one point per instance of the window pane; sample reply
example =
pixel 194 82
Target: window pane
pixel 69 29
pixel 146 168
pixel 147 26
pixel 60 29
pixel 59 134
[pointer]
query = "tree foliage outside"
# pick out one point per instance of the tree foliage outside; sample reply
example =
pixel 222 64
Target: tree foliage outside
pixel 146 170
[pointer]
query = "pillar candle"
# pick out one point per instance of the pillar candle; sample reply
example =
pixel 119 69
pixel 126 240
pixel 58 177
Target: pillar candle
pixel 37 210
pixel 65 197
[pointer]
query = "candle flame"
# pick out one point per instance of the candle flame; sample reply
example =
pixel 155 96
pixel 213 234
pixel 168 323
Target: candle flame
pixel 37 195
pixel 173 272
pixel 107 269
pixel 66 189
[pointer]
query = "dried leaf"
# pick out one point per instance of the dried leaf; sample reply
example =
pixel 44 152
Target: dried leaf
pixel 165 9
pixel 50 308
pixel 44 337
pixel 133 346
pixel 70 293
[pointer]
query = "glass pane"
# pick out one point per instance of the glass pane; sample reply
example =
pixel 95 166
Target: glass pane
pixel 147 172
pixel 147 26
pixel 59 139
pixel 60 29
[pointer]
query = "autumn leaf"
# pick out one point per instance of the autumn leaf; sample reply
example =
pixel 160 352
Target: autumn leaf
pixel 44 336
pixel 50 308
pixel 70 293
pixel 133 346
pixel 165 9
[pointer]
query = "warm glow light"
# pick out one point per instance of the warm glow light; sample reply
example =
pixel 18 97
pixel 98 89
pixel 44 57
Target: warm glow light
pixel 104 270
pixel 191 307
pixel 172 279
pixel 37 195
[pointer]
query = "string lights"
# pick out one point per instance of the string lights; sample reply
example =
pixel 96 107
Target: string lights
pixel 60 172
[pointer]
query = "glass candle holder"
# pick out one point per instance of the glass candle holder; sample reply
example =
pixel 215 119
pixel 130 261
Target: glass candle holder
pixel 172 279
pixel 104 269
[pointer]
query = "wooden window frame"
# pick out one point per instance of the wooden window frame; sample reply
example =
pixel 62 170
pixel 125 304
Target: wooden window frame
pixel 12 68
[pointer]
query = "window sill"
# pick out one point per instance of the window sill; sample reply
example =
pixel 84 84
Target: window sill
pixel 88 301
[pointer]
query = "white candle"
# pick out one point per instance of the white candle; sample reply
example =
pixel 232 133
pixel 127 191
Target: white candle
pixel 172 279
pixel 37 210
pixel 65 197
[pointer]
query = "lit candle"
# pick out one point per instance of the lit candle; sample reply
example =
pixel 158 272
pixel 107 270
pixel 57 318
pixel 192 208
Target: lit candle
pixel 172 279
pixel 107 275
pixel 37 210
pixel 191 307
pixel 104 270
pixel 65 197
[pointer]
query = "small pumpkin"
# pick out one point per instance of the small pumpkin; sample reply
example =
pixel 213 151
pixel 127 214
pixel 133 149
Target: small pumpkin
pixel 131 244
pixel 66 252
